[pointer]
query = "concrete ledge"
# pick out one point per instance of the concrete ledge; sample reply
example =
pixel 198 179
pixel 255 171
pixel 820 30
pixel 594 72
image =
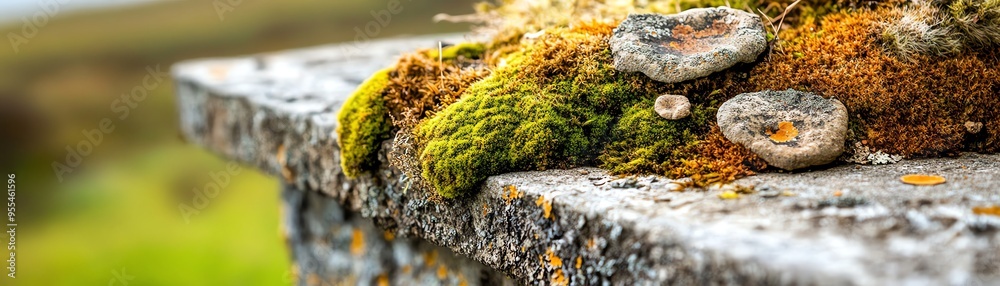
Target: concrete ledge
pixel 582 226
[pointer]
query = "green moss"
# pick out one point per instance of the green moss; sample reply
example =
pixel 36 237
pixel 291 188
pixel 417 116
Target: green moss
pixel 530 115
pixel 363 123
pixel 461 50
pixel 557 102
pixel 643 142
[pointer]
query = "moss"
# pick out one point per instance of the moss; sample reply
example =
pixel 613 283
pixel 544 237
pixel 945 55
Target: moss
pixel 363 122
pixel 549 107
pixel 422 84
pixel 558 104
pixel 466 50
pixel 555 101
pixel 942 27
pixel 913 107
pixel 644 142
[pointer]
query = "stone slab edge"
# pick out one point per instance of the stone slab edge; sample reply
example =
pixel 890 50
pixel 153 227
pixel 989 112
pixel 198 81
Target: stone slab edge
pixel 276 112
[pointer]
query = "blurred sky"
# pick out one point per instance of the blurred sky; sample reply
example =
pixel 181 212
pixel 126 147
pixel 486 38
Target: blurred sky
pixel 13 10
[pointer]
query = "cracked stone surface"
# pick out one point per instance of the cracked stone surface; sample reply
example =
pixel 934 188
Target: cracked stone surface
pixel 687 45
pixel 844 225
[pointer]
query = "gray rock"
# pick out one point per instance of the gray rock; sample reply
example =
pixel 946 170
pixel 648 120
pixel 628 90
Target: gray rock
pixel 672 107
pixel 687 45
pixel 788 129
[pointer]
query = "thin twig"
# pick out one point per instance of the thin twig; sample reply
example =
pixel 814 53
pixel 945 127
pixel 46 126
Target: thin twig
pixel 781 18
pixel 769 22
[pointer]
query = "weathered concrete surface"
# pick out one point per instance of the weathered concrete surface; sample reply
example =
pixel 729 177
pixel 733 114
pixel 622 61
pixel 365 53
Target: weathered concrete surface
pixel 332 246
pixel 276 112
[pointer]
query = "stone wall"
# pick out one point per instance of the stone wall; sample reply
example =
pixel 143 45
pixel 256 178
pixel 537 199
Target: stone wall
pixel 841 225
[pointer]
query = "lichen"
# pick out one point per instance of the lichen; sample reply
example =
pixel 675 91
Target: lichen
pixel 553 99
pixel 909 107
pixel 363 122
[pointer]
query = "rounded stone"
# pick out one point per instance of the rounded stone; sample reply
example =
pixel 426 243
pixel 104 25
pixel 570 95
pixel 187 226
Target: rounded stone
pixel 788 129
pixel 687 45
pixel 672 107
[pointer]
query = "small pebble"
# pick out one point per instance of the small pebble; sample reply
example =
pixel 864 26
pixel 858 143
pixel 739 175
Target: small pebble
pixel 624 183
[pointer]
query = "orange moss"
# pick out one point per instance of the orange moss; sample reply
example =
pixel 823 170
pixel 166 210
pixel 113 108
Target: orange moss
pixel 901 107
pixel 422 84
pixel 716 160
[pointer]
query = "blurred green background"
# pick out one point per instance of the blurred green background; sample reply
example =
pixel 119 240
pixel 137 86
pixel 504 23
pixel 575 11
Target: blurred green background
pixel 118 212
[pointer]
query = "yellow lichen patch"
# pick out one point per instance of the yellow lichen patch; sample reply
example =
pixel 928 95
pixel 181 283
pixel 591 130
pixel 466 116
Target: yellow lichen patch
pixel 486 209
pixel 462 281
pixel 442 272
pixel 990 210
pixel 383 280
pixel 922 180
pixel 282 157
pixel 579 262
pixel 357 242
pixel 838 193
pixel 786 132
pixel 430 258
pixel 546 206
pixel 558 278
pixel 389 236
pixel 407 269
pixel 511 193
pixel 729 195
pixel 554 260
pixel 313 279
pixel 590 243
